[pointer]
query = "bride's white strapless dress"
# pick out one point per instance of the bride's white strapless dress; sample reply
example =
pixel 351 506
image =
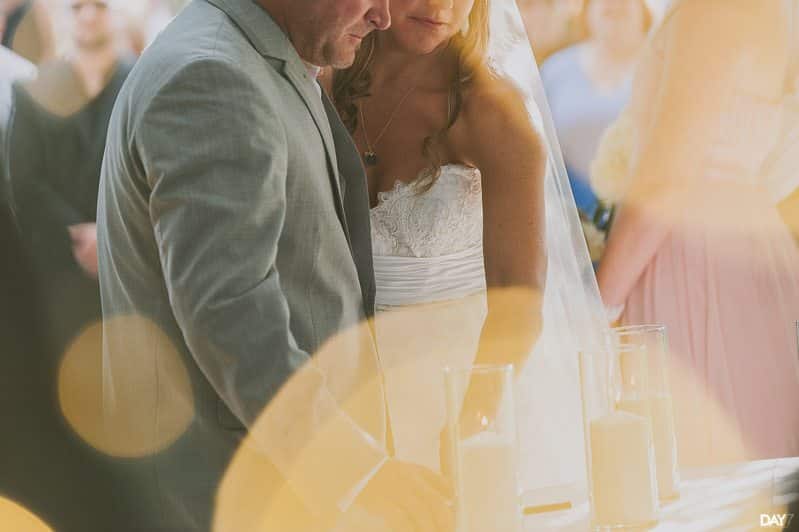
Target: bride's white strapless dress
pixel 428 244
pixel 431 302
pixel 430 280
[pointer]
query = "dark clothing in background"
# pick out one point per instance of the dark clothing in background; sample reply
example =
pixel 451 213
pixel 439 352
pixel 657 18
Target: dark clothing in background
pixel 45 468
pixel 53 168
pixel 55 164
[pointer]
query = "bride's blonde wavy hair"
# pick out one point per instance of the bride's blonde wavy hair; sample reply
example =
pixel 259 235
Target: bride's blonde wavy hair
pixel 354 83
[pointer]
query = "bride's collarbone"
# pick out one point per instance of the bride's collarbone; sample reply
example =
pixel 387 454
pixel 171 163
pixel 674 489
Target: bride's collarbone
pixel 395 166
pixel 385 177
pixel 390 181
pixel 402 158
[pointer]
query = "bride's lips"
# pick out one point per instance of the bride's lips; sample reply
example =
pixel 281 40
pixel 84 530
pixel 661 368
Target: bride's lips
pixel 429 22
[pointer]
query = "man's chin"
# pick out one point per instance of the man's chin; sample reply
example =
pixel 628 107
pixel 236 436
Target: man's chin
pixel 342 54
pixel 343 59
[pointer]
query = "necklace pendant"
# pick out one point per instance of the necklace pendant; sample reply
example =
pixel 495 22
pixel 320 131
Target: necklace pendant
pixel 370 158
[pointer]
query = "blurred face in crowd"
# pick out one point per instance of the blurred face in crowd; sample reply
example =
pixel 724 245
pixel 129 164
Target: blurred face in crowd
pixel 92 23
pixel 421 26
pixel 548 22
pixel 618 20
pixel 329 32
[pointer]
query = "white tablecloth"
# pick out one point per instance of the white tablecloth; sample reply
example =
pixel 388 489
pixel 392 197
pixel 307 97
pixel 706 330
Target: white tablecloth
pixel 727 498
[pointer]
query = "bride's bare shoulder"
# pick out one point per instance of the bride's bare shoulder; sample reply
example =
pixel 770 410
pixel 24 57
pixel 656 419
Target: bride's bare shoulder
pixel 486 89
pixel 493 105
pixel 496 125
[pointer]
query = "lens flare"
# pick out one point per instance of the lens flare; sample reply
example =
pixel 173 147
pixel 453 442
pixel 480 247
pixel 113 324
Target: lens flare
pixel 132 403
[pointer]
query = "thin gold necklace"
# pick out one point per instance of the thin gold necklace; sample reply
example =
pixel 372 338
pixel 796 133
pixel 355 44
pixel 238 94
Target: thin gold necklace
pixel 370 156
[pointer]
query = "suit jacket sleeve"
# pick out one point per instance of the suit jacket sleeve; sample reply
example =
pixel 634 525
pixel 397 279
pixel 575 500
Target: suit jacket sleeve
pixel 215 157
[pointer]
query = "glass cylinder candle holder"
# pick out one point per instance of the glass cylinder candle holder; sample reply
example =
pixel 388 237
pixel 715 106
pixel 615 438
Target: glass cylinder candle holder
pixel 659 402
pixel 483 448
pixel 619 449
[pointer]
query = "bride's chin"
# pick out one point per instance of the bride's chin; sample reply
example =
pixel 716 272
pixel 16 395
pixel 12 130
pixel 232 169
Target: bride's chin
pixel 429 49
pixel 420 45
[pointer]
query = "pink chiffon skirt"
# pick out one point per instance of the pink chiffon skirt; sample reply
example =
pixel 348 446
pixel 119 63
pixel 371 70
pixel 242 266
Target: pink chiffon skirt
pixel 725 282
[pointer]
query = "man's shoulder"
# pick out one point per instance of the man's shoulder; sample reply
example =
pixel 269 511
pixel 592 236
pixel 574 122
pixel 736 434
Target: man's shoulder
pixel 196 34
pixel 200 37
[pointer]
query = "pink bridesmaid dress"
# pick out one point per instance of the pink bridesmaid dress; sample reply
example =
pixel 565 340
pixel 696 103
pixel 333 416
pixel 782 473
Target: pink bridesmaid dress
pixel 725 282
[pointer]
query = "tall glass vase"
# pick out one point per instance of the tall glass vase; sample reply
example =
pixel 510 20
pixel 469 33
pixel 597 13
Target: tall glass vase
pixel 483 448
pixel 619 449
pixel 659 402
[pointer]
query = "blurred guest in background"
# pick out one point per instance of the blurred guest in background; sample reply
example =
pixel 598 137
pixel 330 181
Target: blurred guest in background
pixel 13 67
pixel 588 84
pixel 145 20
pixel 45 469
pixel 56 144
pixel 550 24
pixel 25 28
pixel 159 14
pixel 698 244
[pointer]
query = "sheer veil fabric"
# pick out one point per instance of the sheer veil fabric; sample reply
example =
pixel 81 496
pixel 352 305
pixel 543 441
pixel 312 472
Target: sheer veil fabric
pixel 548 391
pixel 432 288
pixel 434 325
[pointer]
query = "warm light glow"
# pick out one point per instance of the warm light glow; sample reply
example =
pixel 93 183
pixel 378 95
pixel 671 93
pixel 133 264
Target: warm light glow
pixel 294 450
pixel 15 518
pixel 148 402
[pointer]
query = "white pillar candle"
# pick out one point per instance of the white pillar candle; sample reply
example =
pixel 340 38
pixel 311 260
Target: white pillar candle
pixel 488 498
pixel 623 484
pixel 659 407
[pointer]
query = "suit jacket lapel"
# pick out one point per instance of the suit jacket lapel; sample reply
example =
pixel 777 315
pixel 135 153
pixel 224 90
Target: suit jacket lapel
pixel 296 72
pixel 356 204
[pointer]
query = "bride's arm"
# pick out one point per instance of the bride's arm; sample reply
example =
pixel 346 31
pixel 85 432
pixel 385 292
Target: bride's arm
pixel 500 140
pixel 704 47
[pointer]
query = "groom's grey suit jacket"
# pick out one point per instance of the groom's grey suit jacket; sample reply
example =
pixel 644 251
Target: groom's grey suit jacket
pixel 234 241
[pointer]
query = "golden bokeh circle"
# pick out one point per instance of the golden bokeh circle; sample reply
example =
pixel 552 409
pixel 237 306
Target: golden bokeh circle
pixel 133 402
pixel 15 517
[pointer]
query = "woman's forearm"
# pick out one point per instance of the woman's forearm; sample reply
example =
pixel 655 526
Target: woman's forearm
pixel 636 235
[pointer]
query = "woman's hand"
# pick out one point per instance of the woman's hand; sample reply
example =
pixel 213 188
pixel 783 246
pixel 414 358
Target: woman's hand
pixel 84 247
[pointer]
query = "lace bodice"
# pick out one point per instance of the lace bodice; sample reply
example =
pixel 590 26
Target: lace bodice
pixel 428 244
pixel 445 219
